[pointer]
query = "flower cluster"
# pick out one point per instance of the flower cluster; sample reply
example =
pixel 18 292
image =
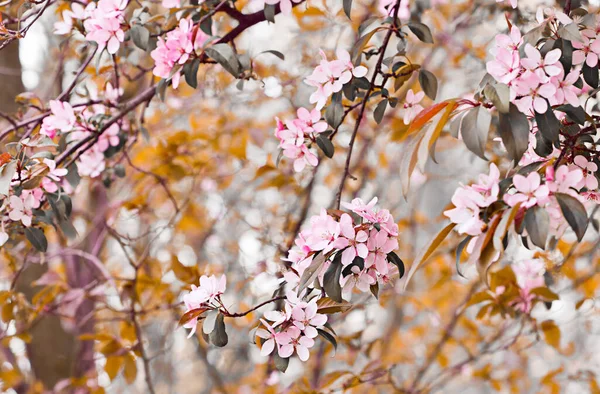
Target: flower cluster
pixel 204 296
pixel 534 80
pixel 362 248
pixel 292 330
pixel 19 206
pixel 296 137
pixel 530 275
pixel 470 200
pixel 329 77
pixel 176 49
pixel 103 24
pixel 78 124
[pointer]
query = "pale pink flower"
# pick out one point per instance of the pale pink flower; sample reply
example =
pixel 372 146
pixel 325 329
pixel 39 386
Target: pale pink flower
pixel 308 320
pixel 301 155
pixel 513 3
pixel 21 209
pixel 467 203
pixel 361 279
pixel 548 65
pixel 77 12
pixel 379 245
pixel 566 91
pixel 488 186
pixel 311 121
pixel 295 341
pixel 529 191
pixel 62 118
pixel 353 241
pixel 324 231
pixel 534 94
pixel 362 209
pixel 586 52
pixel 53 178
pixel 506 65
pixel 529 273
pixel 564 179
pixel 412 106
pixel 272 337
pixel 589 169
pixel 171 3
pixel 104 25
pixel 511 42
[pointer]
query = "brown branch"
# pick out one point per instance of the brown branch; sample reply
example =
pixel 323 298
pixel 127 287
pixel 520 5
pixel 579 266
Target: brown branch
pixel 382 50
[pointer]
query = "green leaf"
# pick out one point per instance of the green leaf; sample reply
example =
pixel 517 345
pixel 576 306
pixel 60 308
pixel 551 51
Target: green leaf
pixel 335 111
pixel 570 32
pixel 73 176
pixel 360 44
pixel 226 57
pixel 380 111
pixel 543 146
pixel 347 7
pixel 499 95
pixel 574 212
pixel 548 125
pixel 576 114
pixel 331 279
pixel 459 250
pixel 280 363
pixel 428 83
pixel 190 71
pixel 397 261
pixel 537 223
pixel 375 289
pixel 218 336
pixel 270 12
pixel 330 338
pixel 273 52
pixel 475 128
pixel 210 321
pixel 311 272
pixel 206 25
pixel 421 31
pixel 590 75
pixel 514 131
pixel 6 175
pixel 161 89
pixel 37 238
pixel 140 36
pixel 326 145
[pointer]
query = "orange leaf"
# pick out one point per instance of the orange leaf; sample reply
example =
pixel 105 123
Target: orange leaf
pixel 191 315
pixel 425 116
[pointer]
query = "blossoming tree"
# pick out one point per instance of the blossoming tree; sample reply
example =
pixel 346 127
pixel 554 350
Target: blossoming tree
pixel 322 196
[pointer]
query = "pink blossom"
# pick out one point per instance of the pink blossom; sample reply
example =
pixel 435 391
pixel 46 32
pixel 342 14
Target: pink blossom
pixel 330 76
pixel 295 341
pixel 566 91
pixel 589 168
pixel 361 279
pixel 529 273
pixel 359 207
pixel 529 191
pixel 467 203
pixel 488 186
pixel 547 66
pixel 171 3
pixel 62 118
pixel 53 177
pixel 324 231
pixel 77 12
pixel 412 106
pixel 301 155
pixel 311 121
pixel 586 52
pixel 534 93
pixel 564 179
pixel 353 241
pixel 272 338
pixel 385 8
pixel 308 320
pixel 511 42
pixel 379 245
pixel 104 24
pixel 506 65
pixel 21 209
pixel 176 50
